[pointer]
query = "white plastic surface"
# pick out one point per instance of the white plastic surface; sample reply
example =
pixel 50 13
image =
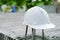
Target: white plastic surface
pixel 37 18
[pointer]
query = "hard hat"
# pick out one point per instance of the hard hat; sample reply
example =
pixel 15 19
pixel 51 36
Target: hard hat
pixel 37 18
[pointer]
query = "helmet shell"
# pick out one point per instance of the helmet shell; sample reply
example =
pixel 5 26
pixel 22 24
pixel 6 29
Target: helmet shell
pixel 37 16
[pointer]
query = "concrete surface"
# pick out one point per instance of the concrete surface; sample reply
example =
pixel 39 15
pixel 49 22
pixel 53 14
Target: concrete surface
pixel 11 24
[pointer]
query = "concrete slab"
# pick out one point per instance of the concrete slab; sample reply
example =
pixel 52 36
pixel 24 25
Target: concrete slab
pixel 11 24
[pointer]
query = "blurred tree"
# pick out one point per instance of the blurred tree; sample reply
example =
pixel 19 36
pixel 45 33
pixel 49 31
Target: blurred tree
pixel 47 2
pixel 27 3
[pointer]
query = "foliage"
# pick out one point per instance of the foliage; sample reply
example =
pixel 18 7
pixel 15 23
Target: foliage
pixel 38 2
pixel 22 2
pixel 58 1
pixel 48 2
pixel 27 3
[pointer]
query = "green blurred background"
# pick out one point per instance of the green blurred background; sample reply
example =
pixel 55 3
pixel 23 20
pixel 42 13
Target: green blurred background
pixel 27 3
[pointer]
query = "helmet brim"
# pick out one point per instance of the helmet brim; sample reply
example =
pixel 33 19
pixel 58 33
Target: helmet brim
pixel 44 26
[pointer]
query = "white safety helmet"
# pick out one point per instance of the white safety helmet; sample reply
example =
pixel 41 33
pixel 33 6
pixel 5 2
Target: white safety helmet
pixel 37 18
